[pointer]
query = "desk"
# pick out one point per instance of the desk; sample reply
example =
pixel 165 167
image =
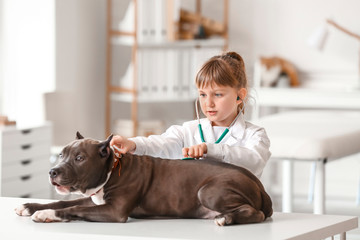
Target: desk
pixel 281 226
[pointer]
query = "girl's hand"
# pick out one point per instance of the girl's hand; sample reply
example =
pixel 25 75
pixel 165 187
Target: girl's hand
pixel 196 151
pixel 122 145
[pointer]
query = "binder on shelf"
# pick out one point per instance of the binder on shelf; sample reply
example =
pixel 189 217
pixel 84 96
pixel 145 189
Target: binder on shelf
pixel 185 75
pixel 150 14
pixel 160 66
pixel 143 26
pixel 152 74
pixel 160 21
pixel 143 85
pixel 192 90
pixel 127 24
pixel 172 72
pixel 125 81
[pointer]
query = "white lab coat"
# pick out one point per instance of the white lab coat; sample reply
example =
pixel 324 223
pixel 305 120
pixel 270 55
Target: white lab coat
pixel 245 144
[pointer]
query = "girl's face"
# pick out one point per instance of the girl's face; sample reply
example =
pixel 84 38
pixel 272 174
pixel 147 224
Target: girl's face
pixel 220 104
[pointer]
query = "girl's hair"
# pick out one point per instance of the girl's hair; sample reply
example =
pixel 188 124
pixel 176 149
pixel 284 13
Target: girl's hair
pixel 224 70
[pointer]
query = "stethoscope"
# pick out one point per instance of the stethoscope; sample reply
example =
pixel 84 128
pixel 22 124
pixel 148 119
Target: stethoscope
pixel 222 135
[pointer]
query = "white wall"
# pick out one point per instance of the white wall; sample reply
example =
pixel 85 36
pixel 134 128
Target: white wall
pixel 80 65
pixel 282 27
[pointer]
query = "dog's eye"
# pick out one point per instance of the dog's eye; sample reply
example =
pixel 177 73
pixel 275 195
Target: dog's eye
pixel 79 158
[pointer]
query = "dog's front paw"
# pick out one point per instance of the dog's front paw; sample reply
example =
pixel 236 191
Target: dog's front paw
pixel 22 210
pixel 45 216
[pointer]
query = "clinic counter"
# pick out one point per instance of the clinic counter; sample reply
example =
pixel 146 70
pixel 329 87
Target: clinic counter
pixel 279 226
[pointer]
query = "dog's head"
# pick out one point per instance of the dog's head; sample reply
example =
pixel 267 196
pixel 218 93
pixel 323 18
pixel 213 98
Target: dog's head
pixel 84 164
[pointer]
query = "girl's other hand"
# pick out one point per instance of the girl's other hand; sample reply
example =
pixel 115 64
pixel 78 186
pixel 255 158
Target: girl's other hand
pixel 196 151
pixel 122 145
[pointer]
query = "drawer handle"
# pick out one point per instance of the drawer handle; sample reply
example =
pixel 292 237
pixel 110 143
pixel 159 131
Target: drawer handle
pixel 26 162
pixel 26 196
pixel 26 131
pixel 26 146
pixel 24 178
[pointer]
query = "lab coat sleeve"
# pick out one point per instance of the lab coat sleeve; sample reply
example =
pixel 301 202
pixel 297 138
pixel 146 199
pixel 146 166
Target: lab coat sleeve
pixel 166 145
pixel 252 155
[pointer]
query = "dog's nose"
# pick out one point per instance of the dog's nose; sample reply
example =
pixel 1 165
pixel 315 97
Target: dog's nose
pixel 53 173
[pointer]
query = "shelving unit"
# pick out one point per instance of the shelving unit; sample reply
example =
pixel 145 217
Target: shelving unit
pixel 169 49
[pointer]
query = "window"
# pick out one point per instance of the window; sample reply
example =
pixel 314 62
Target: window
pixel 27 59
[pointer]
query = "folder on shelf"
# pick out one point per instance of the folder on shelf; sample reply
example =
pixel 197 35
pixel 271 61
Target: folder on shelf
pixel 143 26
pixel 127 24
pixel 160 66
pixel 172 72
pixel 185 73
pixel 125 80
pixel 160 20
pixel 150 16
pixel 152 73
pixel 142 81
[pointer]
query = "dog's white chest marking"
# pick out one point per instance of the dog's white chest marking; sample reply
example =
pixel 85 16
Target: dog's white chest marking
pixel 97 194
pixel 98 198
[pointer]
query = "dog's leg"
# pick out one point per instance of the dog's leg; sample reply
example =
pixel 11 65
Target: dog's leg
pixel 29 209
pixel 233 206
pixel 97 213
pixel 243 214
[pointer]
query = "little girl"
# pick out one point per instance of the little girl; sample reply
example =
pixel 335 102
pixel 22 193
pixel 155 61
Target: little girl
pixel 223 135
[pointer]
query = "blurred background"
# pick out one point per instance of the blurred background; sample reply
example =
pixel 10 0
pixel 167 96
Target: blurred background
pixel 76 65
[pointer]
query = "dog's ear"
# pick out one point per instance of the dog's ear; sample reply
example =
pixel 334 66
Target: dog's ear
pixel 104 147
pixel 79 136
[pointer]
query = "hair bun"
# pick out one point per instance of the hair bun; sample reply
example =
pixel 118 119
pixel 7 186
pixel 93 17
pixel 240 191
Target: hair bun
pixel 234 55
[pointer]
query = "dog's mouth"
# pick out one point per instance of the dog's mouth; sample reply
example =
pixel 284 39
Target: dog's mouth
pixel 61 189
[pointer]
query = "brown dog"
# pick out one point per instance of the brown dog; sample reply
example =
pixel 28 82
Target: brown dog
pixel 144 187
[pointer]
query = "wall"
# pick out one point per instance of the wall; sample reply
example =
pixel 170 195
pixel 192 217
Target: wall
pixel 80 67
pixel 280 27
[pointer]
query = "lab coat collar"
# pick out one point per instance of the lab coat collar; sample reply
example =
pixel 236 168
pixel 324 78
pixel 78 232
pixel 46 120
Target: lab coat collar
pixel 236 131
pixel 207 131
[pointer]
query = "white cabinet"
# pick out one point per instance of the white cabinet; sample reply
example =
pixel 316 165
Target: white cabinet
pixel 24 161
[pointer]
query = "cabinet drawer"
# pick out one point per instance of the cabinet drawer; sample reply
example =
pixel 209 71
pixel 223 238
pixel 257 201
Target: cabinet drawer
pixel 43 193
pixel 24 185
pixel 25 167
pixel 15 137
pixel 23 152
